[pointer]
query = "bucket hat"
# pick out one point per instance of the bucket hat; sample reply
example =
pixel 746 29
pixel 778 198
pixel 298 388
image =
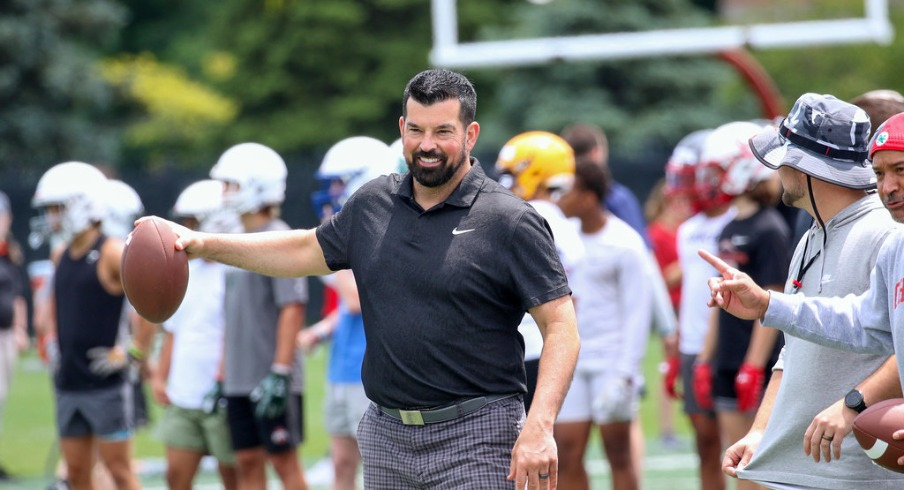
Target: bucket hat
pixel 823 137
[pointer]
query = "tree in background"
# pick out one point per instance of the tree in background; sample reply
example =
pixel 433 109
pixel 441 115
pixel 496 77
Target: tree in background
pixel 54 105
pixel 175 118
pixel 641 103
pixel 309 73
pixel 300 74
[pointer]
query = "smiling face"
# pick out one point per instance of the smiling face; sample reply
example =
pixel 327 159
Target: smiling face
pixel 889 168
pixel 435 143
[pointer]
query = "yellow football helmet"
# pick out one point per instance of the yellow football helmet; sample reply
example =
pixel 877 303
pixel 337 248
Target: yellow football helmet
pixel 534 159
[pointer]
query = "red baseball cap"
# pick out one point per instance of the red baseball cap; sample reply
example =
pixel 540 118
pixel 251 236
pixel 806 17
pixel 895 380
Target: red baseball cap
pixel 889 136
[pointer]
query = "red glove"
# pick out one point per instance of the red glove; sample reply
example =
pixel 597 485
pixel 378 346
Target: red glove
pixel 671 369
pixel 703 385
pixel 749 386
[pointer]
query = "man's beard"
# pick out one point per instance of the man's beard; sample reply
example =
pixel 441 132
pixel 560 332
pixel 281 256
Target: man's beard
pixel 434 176
pixel 791 196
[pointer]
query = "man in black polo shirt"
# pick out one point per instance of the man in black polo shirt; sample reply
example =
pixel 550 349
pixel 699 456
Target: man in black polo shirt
pixel 447 262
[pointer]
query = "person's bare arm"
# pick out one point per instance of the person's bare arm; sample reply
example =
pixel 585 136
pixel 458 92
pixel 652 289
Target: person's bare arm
pixel 309 337
pixel 109 270
pixel 284 253
pixel 160 374
pixel 535 450
pixel 711 340
pixel 20 321
pixel 289 323
pixel 347 289
pixel 45 317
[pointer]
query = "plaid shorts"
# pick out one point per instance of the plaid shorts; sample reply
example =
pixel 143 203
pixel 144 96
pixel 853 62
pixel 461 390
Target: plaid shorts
pixel 474 451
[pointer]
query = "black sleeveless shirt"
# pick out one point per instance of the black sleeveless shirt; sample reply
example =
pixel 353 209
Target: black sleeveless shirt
pixel 87 316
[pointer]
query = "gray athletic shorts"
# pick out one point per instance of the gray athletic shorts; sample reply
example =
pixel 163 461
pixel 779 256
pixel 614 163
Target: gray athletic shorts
pixel 345 405
pixel 106 413
pixel 474 451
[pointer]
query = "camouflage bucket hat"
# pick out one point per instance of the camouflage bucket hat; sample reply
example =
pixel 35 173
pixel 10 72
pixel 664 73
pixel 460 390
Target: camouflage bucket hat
pixel 823 137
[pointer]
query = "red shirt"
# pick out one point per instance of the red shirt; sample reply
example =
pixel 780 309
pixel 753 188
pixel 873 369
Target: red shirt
pixel 665 247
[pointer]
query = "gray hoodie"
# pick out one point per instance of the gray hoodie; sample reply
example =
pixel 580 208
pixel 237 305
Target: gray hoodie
pixel 814 376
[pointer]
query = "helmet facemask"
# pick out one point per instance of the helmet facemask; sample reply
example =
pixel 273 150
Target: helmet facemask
pixel 69 196
pixel 200 207
pixel 348 165
pixel 709 186
pixel 533 161
pixel 255 177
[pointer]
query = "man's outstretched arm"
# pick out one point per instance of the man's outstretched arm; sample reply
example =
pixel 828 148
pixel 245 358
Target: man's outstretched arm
pixel 852 323
pixel 289 253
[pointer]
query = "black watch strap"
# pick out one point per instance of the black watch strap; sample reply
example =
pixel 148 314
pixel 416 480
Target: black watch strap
pixel 854 401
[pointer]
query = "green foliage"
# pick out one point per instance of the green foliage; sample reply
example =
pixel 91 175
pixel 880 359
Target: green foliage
pixel 177 114
pixel 642 104
pixel 54 106
pixel 302 74
pixel 310 73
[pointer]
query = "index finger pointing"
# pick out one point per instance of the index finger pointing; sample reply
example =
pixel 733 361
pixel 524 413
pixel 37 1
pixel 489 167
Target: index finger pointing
pixel 719 264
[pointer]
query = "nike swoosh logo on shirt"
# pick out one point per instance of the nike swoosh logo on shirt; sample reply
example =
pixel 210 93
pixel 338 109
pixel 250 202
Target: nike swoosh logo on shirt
pixel 456 231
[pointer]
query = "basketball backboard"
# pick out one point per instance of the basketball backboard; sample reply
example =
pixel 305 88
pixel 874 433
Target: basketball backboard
pixel 873 27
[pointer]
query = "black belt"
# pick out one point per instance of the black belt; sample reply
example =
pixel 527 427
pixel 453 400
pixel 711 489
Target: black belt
pixel 436 415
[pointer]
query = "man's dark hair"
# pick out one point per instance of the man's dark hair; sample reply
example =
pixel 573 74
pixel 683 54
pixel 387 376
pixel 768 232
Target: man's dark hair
pixel 590 176
pixel 879 105
pixel 431 86
pixel 584 138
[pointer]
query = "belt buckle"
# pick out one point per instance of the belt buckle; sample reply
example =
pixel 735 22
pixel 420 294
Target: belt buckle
pixel 411 417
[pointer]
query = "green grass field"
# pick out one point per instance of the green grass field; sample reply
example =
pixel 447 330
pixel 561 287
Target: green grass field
pixel 28 449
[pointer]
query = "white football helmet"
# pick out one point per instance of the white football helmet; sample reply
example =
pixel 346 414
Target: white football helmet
pixel 203 201
pixel 78 189
pixel 258 171
pixel 347 166
pixel 728 167
pixel 123 208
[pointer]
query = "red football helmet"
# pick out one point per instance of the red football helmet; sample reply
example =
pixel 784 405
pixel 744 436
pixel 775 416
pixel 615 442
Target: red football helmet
pixel 728 167
pixel 680 170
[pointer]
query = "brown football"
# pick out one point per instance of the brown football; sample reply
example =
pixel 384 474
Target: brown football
pixel 873 429
pixel 154 274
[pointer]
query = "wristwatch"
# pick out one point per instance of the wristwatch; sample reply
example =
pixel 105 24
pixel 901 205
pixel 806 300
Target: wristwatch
pixel 854 401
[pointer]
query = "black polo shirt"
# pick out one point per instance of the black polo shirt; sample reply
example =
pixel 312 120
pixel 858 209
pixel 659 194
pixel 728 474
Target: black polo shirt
pixel 443 291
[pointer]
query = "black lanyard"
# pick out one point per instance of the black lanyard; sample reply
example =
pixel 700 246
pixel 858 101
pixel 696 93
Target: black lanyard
pixel 798 283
